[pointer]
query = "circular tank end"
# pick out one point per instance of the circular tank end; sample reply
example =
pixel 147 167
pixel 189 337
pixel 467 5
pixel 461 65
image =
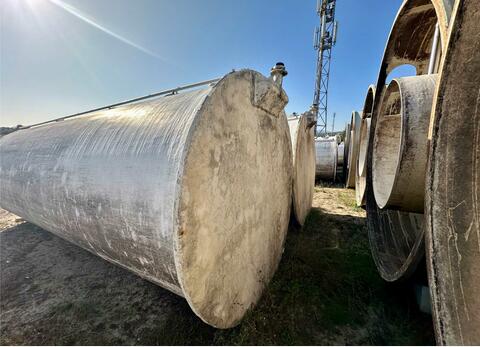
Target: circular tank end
pixel 234 205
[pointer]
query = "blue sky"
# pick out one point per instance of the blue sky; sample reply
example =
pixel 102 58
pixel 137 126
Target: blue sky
pixel 54 63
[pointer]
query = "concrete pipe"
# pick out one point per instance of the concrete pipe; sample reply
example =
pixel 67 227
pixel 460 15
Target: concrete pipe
pixel 191 191
pixel 399 158
pixel 355 123
pixel 303 146
pixel 361 170
pixel 410 42
pixel 369 100
pixel 363 146
pixel 346 149
pixel 361 179
pixel 453 186
pixel 326 158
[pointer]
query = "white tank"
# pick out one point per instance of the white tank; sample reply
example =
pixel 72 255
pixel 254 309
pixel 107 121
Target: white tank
pixel 191 191
pixel 326 158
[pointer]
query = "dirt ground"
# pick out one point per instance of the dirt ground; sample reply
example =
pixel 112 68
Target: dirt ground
pixel 326 291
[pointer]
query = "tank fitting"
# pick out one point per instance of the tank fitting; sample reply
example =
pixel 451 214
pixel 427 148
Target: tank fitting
pixel 277 73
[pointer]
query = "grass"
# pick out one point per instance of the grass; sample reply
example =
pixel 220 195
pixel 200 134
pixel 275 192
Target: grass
pixel 347 200
pixel 326 291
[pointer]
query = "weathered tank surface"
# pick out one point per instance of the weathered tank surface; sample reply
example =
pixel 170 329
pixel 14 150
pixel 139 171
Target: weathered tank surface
pixel 326 150
pixel 191 191
pixel 303 149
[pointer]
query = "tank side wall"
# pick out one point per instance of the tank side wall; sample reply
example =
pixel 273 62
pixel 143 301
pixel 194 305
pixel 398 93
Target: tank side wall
pixel 326 159
pixel 105 181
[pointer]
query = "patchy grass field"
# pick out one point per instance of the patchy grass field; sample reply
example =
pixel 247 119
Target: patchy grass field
pixel 326 291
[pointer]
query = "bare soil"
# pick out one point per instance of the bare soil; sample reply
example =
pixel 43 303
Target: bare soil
pixel 326 291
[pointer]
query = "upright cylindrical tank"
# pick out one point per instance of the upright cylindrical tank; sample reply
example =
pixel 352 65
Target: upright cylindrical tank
pixel 452 199
pixel 326 158
pixel 191 191
pixel 303 148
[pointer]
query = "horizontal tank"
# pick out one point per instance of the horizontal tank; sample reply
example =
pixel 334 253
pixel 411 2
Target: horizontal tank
pixel 191 191
pixel 326 158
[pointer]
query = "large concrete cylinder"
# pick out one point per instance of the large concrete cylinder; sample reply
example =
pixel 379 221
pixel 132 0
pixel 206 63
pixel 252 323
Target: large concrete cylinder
pixel 346 149
pixel 303 148
pixel 369 102
pixel 363 146
pixel 355 123
pixel 453 185
pixel 399 156
pixel 326 158
pixel 191 191
pixel 410 42
pixel 361 172
pixel 361 179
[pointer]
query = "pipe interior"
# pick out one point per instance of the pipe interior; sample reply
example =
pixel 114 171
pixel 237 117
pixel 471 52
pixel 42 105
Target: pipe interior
pixel 410 42
pixel 368 107
pixel 387 144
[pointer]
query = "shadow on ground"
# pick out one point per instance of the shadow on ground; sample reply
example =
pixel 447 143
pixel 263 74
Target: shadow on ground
pixel 326 291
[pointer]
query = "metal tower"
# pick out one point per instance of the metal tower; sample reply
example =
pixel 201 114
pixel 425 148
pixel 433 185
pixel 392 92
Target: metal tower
pixel 325 37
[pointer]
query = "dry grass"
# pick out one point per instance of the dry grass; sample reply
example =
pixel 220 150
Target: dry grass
pixel 326 291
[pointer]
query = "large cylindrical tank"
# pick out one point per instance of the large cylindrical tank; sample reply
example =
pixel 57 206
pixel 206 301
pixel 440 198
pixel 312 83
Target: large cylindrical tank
pixel 453 185
pixel 191 191
pixel 326 158
pixel 303 148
